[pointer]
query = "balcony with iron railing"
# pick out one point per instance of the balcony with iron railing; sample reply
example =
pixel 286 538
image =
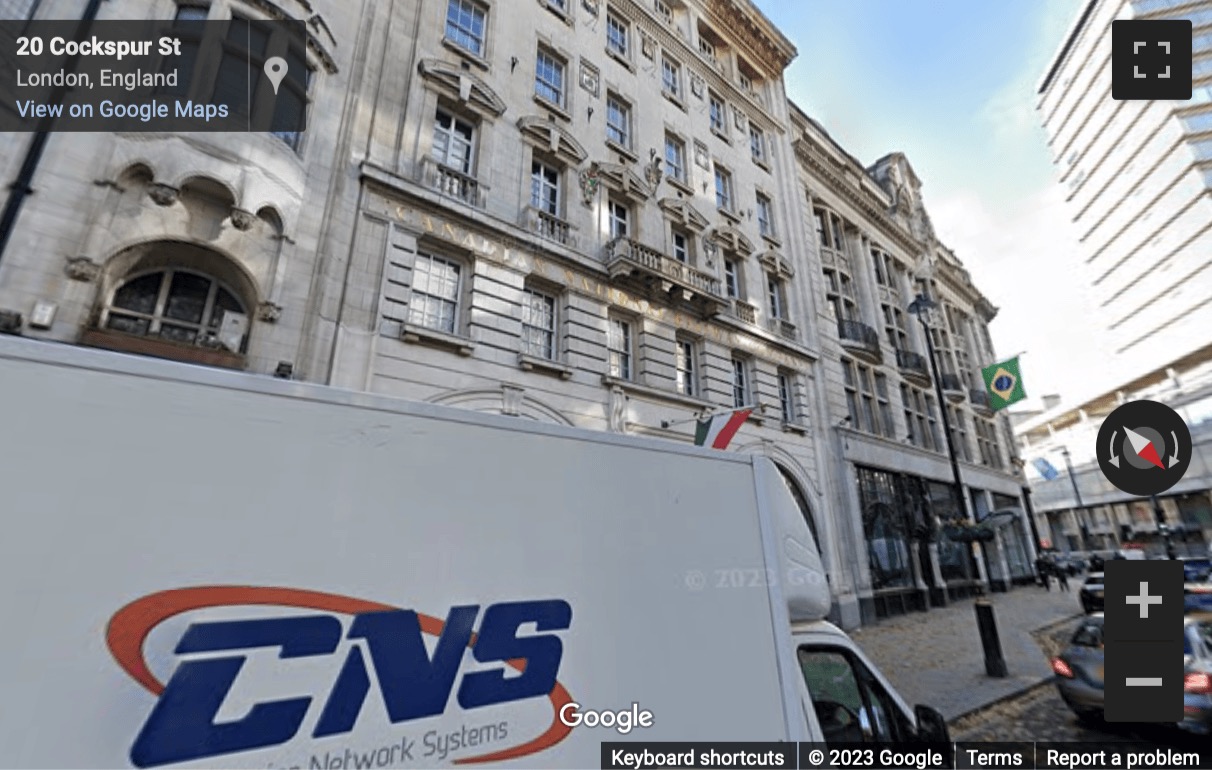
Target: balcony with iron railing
pixel 953 386
pixel 630 261
pixel 860 339
pixel 453 183
pixel 913 365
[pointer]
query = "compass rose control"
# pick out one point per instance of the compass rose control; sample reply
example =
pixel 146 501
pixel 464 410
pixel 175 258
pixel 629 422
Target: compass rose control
pixel 1144 448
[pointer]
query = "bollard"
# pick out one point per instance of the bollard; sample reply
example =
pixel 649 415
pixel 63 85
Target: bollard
pixel 995 664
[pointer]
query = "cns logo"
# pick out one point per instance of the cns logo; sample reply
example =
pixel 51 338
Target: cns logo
pixel 413 685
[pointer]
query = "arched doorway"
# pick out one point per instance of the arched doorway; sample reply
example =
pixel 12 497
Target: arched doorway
pixel 801 501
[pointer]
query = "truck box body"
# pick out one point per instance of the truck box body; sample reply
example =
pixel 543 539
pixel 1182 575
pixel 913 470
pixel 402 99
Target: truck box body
pixel 204 568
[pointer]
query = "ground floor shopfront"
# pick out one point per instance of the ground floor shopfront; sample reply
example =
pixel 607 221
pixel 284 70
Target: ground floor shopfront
pixel 914 563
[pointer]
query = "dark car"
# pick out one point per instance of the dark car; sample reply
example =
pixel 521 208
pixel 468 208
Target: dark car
pixel 1091 593
pixel 1073 564
pixel 1098 559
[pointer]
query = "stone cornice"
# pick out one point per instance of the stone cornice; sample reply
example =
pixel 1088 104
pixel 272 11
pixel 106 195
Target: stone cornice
pixel 876 213
pixel 644 20
pixel 957 278
pixel 760 40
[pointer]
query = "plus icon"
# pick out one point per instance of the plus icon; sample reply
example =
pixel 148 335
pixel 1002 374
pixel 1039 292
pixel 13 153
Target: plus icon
pixel 1151 59
pixel 1144 600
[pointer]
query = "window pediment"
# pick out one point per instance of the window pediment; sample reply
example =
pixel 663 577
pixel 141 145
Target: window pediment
pixel 553 138
pixel 774 263
pixel 680 211
pixel 462 85
pixel 624 180
pixel 731 239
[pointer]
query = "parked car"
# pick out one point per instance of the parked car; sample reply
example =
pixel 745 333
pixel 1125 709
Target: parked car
pixel 1079 671
pixel 1098 559
pixel 1072 563
pixel 1091 593
pixel 1196 568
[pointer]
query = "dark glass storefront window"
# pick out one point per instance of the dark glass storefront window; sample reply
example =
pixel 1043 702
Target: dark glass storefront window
pixel 1014 537
pixel 954 559
pixel 894 514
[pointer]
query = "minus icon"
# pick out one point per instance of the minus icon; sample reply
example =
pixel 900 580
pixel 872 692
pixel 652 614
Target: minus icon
pixel 1144 681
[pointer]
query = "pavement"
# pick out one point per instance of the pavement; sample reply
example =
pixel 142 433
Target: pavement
pixel 935 658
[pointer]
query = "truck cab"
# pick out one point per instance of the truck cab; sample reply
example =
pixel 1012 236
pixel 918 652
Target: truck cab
pixel 843 695
pixel 849 698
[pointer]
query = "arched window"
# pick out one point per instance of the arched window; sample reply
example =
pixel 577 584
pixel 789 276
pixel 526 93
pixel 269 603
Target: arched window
pixel 801 502
pixel 177 305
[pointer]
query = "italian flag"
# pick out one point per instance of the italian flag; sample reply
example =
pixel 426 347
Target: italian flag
pixel 716 431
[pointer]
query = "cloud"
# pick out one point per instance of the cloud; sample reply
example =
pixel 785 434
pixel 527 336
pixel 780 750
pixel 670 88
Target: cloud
pixel 1026 260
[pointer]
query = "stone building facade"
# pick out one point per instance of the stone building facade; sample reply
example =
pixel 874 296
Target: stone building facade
pixel 876 251
pixel 597 214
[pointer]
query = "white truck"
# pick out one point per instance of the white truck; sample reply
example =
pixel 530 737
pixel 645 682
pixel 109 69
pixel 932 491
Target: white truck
pixel 203 568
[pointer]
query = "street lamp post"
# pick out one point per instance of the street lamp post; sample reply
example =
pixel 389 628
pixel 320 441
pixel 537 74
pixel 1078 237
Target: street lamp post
pixel 1077 512
pixel 995 662
pixel 919 307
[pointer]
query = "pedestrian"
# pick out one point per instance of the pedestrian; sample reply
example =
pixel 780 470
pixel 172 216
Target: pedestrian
pixel 1062 577
pixel 1041 566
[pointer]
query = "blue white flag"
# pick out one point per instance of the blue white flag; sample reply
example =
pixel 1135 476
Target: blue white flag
pixel 1045 469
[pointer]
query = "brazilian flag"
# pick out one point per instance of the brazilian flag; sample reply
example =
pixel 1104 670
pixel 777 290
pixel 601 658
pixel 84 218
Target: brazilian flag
pixel 1004 383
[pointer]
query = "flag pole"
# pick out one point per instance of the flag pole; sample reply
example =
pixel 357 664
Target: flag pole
pixel 704 415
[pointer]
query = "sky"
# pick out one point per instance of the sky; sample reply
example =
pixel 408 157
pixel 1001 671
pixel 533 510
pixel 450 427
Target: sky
pixel 952 84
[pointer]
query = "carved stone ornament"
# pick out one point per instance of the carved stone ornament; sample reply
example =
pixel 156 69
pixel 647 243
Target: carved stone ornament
pixel 589 77
pixel 652 172
pixel 241 219
pixel 697 86
pixel 590 179
pixel 269 312
pixel 162 194
pixel 647 45
pixel 82 269
pixel 511 400
pixel 618 410
pixel 701 156
pixel 919 222
pixel 591 6
pixel 739 118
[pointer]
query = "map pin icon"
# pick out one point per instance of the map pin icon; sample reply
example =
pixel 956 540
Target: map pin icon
pixel 275 70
